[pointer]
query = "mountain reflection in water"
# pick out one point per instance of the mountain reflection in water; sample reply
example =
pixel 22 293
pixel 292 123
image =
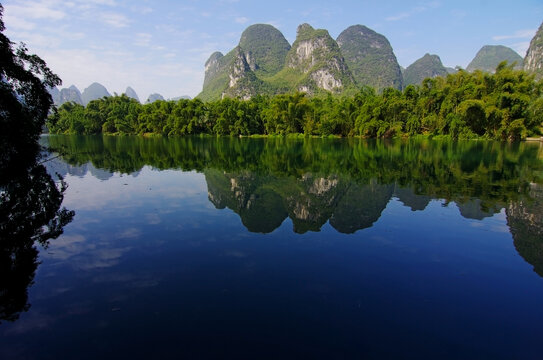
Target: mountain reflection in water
pixel 347 183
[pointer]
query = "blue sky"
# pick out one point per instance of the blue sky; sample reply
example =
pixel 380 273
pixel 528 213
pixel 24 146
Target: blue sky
pixel 161 46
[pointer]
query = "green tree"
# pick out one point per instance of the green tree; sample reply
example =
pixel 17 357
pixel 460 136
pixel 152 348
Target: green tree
pixel 24 101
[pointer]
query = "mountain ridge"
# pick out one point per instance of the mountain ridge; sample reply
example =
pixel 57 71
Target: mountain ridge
pixel 428 66
pixel 490 56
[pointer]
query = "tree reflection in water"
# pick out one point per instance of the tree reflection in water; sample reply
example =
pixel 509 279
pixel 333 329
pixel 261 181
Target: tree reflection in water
pixel 30 214
pixel 346 182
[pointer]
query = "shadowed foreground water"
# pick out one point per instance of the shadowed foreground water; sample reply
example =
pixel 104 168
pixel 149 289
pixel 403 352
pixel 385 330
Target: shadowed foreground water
pixel 278 248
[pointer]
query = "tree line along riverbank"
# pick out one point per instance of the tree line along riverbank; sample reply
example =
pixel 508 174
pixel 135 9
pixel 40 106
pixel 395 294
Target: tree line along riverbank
pixel 505 105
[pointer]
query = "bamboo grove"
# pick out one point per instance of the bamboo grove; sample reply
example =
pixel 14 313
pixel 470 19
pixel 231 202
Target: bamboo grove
pixel 506 105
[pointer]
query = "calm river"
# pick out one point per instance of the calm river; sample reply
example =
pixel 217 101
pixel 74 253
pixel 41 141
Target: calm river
pixel 286 248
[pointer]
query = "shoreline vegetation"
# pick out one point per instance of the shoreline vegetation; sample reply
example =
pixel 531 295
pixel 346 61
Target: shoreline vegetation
pixel 506 105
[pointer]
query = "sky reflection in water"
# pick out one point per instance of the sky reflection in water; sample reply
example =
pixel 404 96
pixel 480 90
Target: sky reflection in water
pixel 280 253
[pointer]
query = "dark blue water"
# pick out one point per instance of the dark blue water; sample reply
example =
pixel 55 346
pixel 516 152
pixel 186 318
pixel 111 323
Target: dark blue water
pixel 289 253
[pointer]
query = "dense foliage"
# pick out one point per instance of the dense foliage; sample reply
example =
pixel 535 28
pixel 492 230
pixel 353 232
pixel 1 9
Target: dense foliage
pixel 30 200
pixel 507 105
pixel 24 102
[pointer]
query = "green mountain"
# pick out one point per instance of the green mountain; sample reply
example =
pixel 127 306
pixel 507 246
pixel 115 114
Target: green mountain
pixel 261 53
pixel 264 63
pixel 93 92
pixel 314 62
pixel 533 62
pixel 427 66
pixel 370 58
pixel 265 49
pixel 488 58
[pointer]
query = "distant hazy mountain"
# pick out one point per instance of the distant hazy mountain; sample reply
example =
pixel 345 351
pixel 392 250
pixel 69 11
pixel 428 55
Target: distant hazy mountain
pixel 184 97
pixel 488 58
pixel 70 94
pixel 131 93
pixel 533 62
pixel 426 67
pixel 55 94
pixel 370 58
pixel 451 70
pixel 154 97
pixel 93 92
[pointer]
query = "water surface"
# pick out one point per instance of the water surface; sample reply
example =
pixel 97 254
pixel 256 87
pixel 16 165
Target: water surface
pixel 282 248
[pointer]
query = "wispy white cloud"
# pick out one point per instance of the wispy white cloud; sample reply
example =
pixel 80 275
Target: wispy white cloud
pixel 241 20
pixel 114 19
pixel 22 15
pixel 31 38
pixel 102 2
pixel 519 34
pixel 180 35
pixel 414 11
pixel 143 39
pixel 143 10
pixel 406 14
pixel 17 23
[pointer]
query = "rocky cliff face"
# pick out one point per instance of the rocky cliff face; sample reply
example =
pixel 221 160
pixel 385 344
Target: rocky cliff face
pixel 242 81
pixel 533 62
pixel 317 57
pixel 428 66
pixel 213 67
pixel 489 57
pixel 370 58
